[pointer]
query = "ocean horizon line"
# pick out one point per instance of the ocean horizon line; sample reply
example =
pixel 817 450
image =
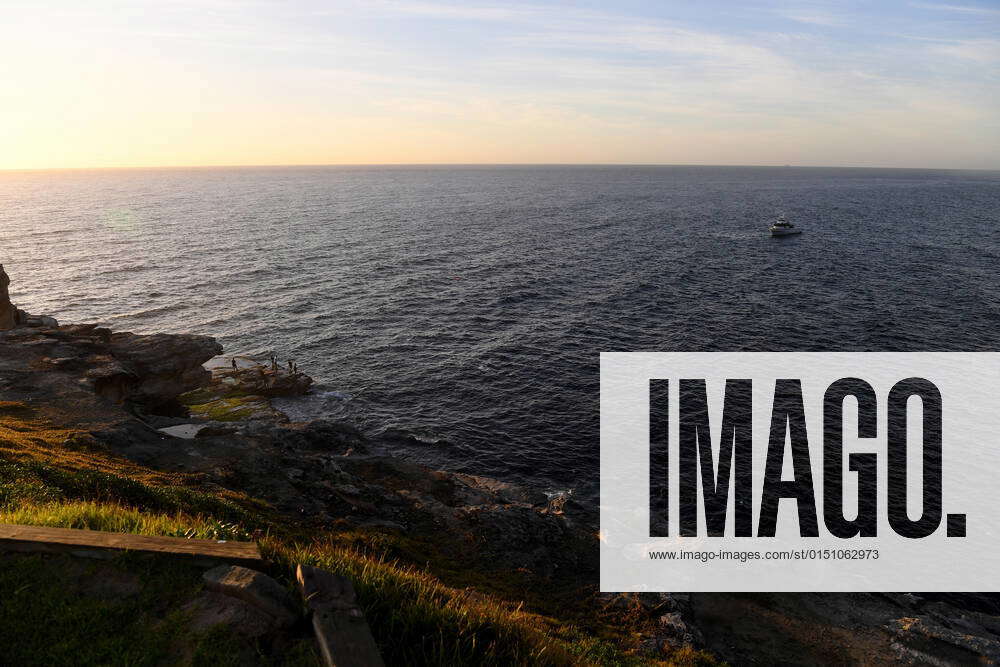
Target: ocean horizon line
pixel 453 165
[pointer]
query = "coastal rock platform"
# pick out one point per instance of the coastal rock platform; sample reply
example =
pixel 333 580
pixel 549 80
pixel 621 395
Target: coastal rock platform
pixel 129 393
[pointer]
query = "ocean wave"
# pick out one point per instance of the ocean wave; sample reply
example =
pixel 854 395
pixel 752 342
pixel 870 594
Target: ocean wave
pixel 133 268
pixel 148 313
pixel 405 436
pixel 519 296
pixel 333 393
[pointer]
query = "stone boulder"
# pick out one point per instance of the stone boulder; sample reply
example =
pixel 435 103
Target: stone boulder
pixel 937 640
pixel 256 589
pixel 163 366
pixel 208 610
pixel 43 321
pixel 11 316
pixel 262 381
pixel 8 313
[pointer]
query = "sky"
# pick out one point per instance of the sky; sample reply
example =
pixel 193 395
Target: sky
pixel 108 83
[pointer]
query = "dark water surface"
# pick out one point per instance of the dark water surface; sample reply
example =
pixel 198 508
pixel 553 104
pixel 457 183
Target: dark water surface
pixel 468 305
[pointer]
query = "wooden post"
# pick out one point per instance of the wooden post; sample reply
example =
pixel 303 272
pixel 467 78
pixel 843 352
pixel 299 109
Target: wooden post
pixel 344 637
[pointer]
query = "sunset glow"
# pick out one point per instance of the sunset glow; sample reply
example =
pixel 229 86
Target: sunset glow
pixel 215 82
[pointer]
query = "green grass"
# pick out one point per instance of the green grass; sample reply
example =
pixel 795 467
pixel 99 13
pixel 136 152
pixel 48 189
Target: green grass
pixel 227 409
pixel 442 625
pixel 90 515
pixel 35 481
pixel 220 402
pixel 60 610
pixel 416 616
pixel 46 619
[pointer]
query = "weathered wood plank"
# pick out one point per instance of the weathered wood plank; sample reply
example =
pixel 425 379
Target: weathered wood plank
pixel 40 538
pixel 345 640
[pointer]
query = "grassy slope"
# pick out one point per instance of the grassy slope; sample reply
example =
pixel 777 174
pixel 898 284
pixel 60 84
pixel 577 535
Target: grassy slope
pixel 51 476
pixel 61 610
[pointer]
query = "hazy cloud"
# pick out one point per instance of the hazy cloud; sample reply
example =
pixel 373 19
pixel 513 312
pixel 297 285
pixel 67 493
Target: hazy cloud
pixel 977 50
pixel 964 9
pixel 814 17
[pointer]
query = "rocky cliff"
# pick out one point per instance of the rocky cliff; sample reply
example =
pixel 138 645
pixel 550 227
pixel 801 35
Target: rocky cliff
pixel 8 313
pixel 122 392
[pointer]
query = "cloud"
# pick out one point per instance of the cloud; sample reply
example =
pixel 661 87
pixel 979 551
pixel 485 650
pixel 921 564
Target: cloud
pixel 466 12
pixel 813 17
pixel 620 69
pixel 964 9
pixel 977 50
pixel 463 12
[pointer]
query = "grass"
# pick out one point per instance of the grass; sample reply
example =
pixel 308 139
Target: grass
pixel 227 409
pixel 60 610
pixel 39 463
pixel 34 480
pixel 415 618
pixel 443 626
pixel 91 515
pixel 52 477
pixel 221 402
pixel 48 619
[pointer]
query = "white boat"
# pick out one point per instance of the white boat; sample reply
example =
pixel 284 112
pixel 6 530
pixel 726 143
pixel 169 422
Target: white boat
pixel 782 227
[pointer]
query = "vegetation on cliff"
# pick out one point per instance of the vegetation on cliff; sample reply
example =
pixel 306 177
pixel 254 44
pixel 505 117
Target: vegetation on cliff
pixel 426 597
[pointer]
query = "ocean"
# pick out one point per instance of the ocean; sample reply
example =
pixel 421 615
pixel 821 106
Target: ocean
pixel 463 309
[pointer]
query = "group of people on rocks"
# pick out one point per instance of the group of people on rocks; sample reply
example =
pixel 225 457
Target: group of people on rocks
pixel 293 368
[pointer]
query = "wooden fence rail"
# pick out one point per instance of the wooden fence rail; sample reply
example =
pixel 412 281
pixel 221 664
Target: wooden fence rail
pixel 94 542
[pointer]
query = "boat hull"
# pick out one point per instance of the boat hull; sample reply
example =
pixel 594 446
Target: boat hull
pixel 785 232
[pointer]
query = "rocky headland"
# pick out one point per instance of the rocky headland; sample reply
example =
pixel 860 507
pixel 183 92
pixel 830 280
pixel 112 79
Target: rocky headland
pixel 150 399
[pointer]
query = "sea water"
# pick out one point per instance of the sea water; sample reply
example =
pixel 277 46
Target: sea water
pixel 462 309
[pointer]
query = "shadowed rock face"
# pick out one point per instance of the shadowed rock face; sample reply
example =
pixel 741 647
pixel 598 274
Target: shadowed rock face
pixel 82 373
pixel 162 366
pixel 11 317
pixel 8 313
